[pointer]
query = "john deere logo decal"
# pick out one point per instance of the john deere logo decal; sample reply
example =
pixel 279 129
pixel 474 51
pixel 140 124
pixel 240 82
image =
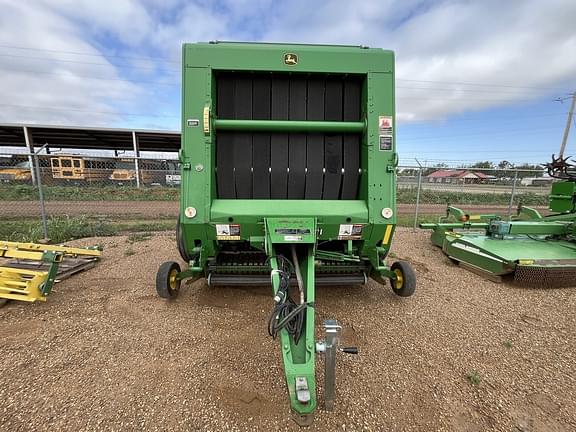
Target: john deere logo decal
pixel 290 59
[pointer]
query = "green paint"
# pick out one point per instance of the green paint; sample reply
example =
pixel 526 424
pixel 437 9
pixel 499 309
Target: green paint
pixel 299 359
pixel 288 126
pixel 498 247
pixel 260 220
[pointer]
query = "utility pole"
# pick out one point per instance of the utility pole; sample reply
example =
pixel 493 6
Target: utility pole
pixel 567 128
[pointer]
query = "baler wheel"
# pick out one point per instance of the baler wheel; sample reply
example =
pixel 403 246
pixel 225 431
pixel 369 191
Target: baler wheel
pixel 180 241
pixel 167 282
pixel 405 283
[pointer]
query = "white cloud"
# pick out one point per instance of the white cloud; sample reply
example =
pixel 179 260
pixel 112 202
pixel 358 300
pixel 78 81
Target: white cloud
pixel 522 43
pixel 34 87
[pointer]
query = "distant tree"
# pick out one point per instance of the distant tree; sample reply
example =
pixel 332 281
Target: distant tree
pixel 408 172
pixel 529 170
pixel 484 164
pixel 505 165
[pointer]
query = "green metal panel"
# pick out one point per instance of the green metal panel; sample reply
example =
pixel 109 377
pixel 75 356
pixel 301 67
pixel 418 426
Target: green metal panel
pixel 283 230
pixel 524 248
pixel 299 358
pixel 374 210
pixel 287 125
pixel 377 181
pixel 563 197
pixel 538 228
pixel 270 57
pixel 326 211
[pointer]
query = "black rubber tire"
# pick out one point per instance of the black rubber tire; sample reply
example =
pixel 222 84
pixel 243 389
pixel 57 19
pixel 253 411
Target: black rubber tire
pixel 181 246
pixel 166 286
pixel 408 281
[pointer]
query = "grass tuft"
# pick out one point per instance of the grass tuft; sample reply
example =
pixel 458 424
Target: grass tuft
pixel 138 237
pixel 60 229
pixel 474 377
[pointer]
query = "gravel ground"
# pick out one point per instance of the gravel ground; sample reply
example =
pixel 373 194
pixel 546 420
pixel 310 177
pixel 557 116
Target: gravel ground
pixel 104 353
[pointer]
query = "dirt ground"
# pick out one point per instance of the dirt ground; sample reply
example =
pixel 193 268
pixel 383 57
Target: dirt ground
pixel 105 353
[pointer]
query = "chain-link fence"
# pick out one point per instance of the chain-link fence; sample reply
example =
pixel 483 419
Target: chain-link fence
pixel 424 193
pixel 61 196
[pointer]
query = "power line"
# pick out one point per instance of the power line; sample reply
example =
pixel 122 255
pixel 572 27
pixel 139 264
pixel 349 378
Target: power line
pixel 159 60
pixel 482 84
pixel 479 151
pixel 469 99
pixel 174 84
pixel 480 134
pixel 88 111
pixel 83 62
pixel 35 72
pixel 466 90
pixel 86 54
pixel 156 66
pixel 519 118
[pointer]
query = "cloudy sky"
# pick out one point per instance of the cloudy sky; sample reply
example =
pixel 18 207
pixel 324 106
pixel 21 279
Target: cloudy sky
pixel 475 79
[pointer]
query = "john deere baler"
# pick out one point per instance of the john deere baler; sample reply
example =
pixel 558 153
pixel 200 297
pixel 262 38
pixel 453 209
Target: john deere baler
pixel 288 178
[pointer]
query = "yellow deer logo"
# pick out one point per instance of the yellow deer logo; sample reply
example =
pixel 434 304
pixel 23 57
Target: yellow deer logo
pixel 290 59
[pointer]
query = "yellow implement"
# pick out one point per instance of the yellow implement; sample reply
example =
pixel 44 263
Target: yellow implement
pixel 31 285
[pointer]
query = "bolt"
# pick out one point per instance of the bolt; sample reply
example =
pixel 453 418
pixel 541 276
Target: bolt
pixel 199 167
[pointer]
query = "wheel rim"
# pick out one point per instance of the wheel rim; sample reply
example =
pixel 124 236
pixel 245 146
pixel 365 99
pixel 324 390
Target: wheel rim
pixel 399 278
pixel 172 280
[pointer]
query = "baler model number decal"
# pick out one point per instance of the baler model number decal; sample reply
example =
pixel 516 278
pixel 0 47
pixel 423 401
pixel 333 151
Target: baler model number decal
pixel 292 238
pixel 350 232
pixel 228 232
pixel 292 231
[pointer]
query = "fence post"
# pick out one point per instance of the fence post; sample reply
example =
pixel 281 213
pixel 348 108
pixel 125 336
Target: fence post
pixel 40 192
pixel 418 196
pixel 512 194
pixel 30 147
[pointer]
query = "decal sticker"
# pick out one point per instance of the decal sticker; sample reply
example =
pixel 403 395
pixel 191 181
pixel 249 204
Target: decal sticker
pixel 292 238
pixel 350 232
pixel 290 59
pixel 228 232
pixel 385 126
pixel 385 142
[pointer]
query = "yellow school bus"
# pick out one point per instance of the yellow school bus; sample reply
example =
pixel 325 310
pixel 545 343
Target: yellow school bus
pixel 79 168
pixel 152 172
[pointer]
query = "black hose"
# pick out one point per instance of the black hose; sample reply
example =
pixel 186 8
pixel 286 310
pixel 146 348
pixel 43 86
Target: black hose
pixel 286 314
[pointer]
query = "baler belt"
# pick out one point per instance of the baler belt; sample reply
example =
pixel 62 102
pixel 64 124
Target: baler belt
pixel 287 165
pixel 332 143
pixel 351 143
pixel 279 142
pixel 315 147
pixel 261 142
pixel 225 145
pixel 297 142
pixel 243 142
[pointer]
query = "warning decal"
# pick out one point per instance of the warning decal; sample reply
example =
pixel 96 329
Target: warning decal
pixel 385 126
pixel 385 142
pixel 350 232
pixel 385 132
pixel 228 232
